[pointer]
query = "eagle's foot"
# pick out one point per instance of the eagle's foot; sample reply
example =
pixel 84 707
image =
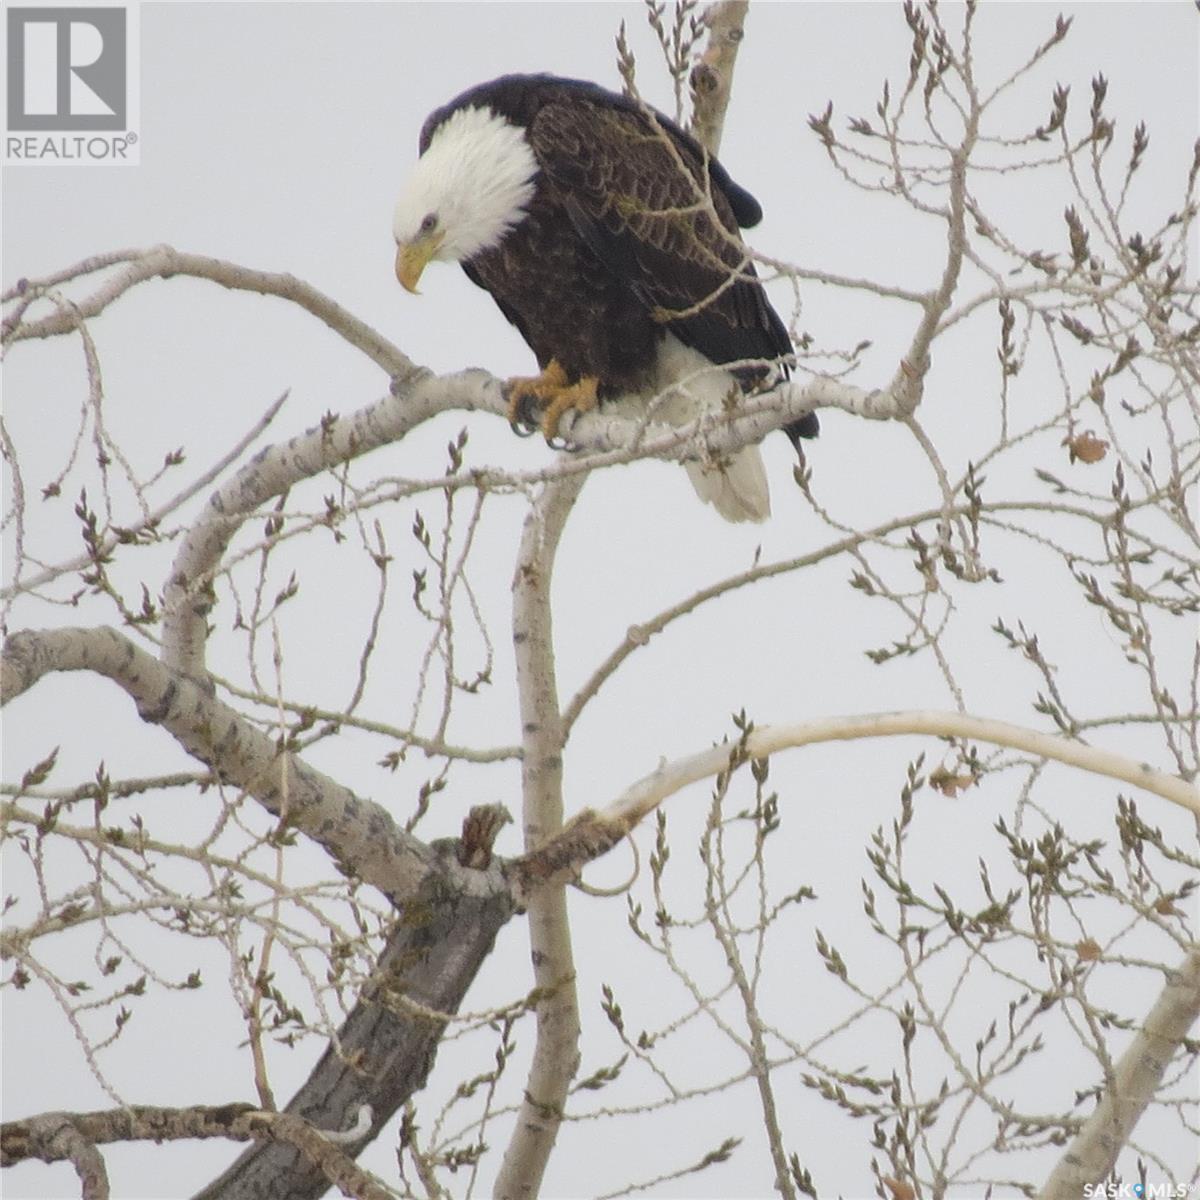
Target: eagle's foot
pixel 543 400
pixel 528 395
pixel 582 396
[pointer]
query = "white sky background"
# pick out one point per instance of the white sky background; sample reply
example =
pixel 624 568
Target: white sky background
pixel 276 136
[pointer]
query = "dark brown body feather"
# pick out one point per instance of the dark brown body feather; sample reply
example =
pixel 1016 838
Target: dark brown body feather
pixel 632 231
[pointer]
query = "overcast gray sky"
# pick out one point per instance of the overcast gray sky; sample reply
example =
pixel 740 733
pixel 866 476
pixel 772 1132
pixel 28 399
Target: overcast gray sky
pixel 276 135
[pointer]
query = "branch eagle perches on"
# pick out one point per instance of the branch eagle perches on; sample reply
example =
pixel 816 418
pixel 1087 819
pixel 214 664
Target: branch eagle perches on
pixel 448 900
pixel 174 690
pixel 601 438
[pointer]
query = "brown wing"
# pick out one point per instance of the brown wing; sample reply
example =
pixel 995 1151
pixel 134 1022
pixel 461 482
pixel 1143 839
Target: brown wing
pixel 642 200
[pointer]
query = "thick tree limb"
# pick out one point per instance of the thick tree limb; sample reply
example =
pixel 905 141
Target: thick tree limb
pixel 165 262
pixel 556 1051
pixel 602 438
pixel 591 833
pixel 1092 1156
pixel 35 1137
pixel 382 1055
pixel 609 431
pixel 712 76
pixel 357 832
pixel 385 1050
pixel 611 434
pixel 271 473
pixel 53 1137
pixel 649 792
pixel 415 398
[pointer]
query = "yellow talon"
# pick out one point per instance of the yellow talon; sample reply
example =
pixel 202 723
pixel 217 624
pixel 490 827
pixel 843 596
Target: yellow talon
pixel 553 394
pixel 580 397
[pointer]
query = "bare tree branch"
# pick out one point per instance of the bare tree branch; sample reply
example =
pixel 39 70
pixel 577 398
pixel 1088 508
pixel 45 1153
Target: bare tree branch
pixel 712 76
pixel 384 1051
pixel 356 832
pixel 52 1137
pixel 649 792
pixel 164 262
pixel 592 833
pixel 556 1053
pixel 270 474
pixel 112 540
pixel 1092 1156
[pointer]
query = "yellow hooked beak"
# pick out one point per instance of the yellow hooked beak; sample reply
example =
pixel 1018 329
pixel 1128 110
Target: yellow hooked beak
pixel 413 257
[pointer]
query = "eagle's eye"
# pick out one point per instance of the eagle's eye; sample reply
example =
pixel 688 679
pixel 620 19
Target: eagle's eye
pixel 429 223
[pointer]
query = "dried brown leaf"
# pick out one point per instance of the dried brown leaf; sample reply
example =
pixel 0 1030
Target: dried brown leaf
pixel 1085 447
pixel 899 1189
pixel 950 784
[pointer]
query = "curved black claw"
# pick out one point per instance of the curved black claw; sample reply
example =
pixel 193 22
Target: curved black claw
pixel 523 415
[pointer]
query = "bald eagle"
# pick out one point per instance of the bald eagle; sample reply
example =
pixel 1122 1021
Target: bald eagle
pixel 609 238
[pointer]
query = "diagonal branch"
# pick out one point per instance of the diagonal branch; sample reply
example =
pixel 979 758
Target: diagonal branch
pixel 155 517
pixel 590 833
pixel 356 832
pixel 385 1050
pixel 1092 1156
pixel 270 474
pixel 645 795
pixel 165 262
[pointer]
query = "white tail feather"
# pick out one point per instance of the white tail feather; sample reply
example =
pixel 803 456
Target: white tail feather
pixel 688 385
pixel 737 488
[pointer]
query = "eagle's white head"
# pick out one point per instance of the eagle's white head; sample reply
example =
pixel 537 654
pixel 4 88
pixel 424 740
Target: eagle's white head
pixel 469 188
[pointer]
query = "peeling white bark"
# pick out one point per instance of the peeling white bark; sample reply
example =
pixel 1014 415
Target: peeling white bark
pixel 556 1051
pixel 355 831
pixel 589 834
pixel 648 793
pixel 1092 1156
